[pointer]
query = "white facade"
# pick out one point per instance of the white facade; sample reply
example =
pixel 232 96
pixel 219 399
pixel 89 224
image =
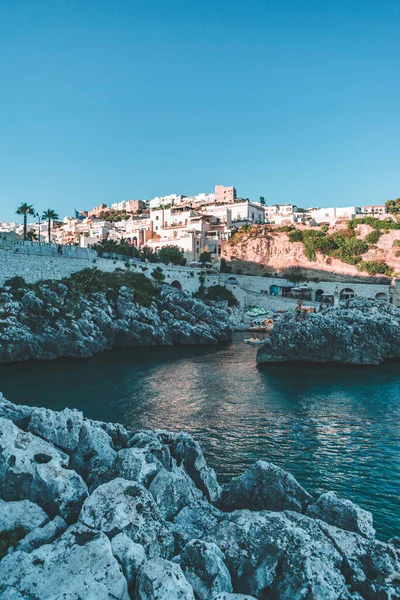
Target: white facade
pixel 330 215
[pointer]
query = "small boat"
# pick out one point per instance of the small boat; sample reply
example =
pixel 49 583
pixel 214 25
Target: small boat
pixel 253 341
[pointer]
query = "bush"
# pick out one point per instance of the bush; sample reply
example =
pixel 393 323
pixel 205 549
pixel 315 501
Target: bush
pixel 171 254
pixel 374 267
pixel 324 228
pixel 373 237
pixel 285 228
pixel 217 293
pixel 387 224
pixel 296 236
pixel 89 281
pixel 121 247
pixel 158 275
pixel 15 283
pixel 396 243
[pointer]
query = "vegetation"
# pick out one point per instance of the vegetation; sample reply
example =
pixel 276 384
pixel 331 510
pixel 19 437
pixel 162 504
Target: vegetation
pixel 25 209
pixel 205 256
pixel 373 237
pixel 285 228
pixel 343 245
pixel 216 293
pixel 393 206
pixel 89 281
pixel 122 247
pixel 171 254
pixel 225 267
pixel 386 224
pixel 375 267
pixel 114 216
pixel 50 216
pixel 158 275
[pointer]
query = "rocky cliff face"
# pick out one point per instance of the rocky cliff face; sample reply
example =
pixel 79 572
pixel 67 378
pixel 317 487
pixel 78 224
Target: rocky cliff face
pixel 49 322
pixel 91 510
pixel 363 332
pixel 270 252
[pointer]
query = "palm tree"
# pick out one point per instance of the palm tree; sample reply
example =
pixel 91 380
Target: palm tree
pixel 25 210
pixel 50 215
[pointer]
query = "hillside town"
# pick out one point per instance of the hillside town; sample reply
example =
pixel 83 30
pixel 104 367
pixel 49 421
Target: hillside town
pixel 192 223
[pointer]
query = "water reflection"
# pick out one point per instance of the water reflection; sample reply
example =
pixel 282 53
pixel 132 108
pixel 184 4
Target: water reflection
pixel 332 427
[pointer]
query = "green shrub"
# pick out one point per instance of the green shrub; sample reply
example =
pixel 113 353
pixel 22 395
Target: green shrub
pixel 387 224
pixel 396 243
pixel 296 236
pixel 15 283
pixel 373 237
pixel 285 228
pixel 158 275
pixel 217 293
pixel 324 228
pixel 374 267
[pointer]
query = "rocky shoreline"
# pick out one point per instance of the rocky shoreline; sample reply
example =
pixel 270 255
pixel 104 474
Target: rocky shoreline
pixel 360 332
pixel 92 510
pixel 92 312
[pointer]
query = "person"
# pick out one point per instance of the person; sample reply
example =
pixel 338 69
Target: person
pixel 299 309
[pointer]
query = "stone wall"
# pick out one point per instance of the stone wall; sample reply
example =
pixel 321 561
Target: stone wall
pixel 262 291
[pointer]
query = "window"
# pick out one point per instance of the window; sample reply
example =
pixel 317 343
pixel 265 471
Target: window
pixel 157 218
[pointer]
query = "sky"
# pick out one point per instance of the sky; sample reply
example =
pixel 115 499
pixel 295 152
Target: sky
pixel 107 100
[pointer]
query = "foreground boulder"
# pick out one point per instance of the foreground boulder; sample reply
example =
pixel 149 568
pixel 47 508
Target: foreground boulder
pixel 122 506
pixel 363 332
pixel 169 533
pixel 32 469
pixel 79 564
pixel 342 513
pixel 264 486
pixel 160 579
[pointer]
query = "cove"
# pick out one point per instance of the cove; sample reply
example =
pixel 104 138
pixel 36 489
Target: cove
pixel 333 427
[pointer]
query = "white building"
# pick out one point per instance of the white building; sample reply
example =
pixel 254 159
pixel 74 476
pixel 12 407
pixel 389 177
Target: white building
pixel 331 215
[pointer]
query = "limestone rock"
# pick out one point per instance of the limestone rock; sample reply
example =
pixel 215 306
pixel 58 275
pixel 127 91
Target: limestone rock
pixel 16 520
pixel 32 469
pixel 203 566
pixel 227 596
pixel 129 555
pixel 42 535
pixel 172 491
pixel 187 452
pixel 371 567
pixel 94 455
pixel 79 564
pixel 122 506
pixel 342 513
pixel 271 552
pixel 136 464
pixel 60 428
pixel 265 486
pixel 356 332
pixel 159 579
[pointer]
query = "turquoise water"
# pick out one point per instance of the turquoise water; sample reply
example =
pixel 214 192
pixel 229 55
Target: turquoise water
pixel 333 427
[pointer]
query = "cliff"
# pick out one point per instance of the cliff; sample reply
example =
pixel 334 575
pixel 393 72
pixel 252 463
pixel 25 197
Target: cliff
pixel 91 510
pixel 93 311
pixel 268 250
pixel 363 332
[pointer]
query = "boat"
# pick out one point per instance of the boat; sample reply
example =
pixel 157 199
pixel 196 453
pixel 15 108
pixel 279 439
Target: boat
pixel 253 342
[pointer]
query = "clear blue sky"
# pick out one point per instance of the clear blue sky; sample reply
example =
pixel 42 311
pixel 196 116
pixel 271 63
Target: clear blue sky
pixel 104 100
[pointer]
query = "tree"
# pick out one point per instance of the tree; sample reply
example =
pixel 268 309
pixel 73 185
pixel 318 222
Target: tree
pixel 171 254
pixel 25 210
pixel 31 236
pixel 262 200
pixel 50 216
pixel 393 206
pixel 205 256
pixel 148 254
